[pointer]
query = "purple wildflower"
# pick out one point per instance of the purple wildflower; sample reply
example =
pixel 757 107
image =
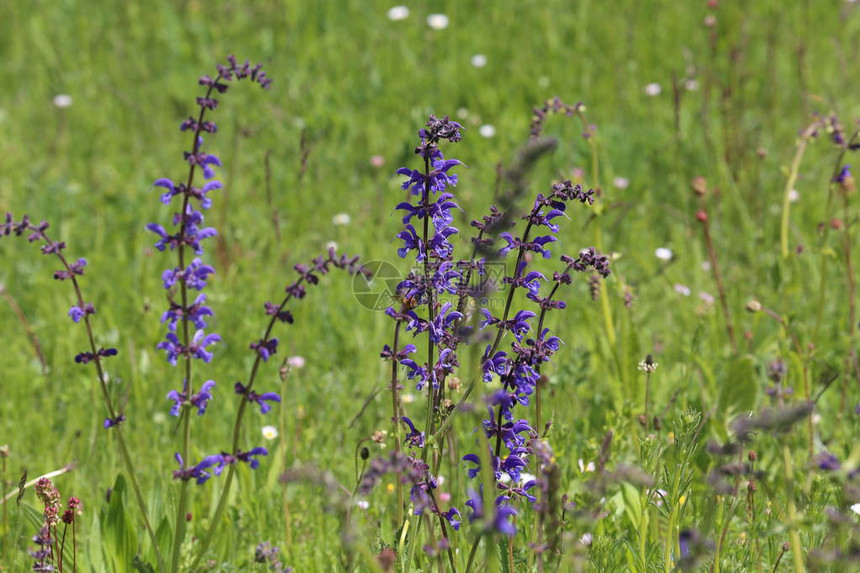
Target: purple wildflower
pixel 265 348
pixel 76 313
pixel 414 438
pixel 260 399
pixel 111 422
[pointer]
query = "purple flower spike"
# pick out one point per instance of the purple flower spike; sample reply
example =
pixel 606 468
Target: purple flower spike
pixel 502 521
pixel 414 437
pixel 265 348
pixel 453 517
pixel 75 269
pixel 251 456
pixel 827 462
pixel 201 399
pixel 111 422
pixel 261 399
pixel 76 313
pixel 87 357
pixel 200 342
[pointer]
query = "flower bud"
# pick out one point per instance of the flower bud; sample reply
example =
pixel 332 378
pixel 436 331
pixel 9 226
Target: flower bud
pixel 700 186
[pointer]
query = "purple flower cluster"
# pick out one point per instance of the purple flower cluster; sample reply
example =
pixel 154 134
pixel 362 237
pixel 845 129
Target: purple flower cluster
pixel 215 464
pixel 517 370
pixel 432 246
pixel 424 310
pixel 81 310
pixel 421 310
pixel 412 472
pixel 267 553
pixel 187 319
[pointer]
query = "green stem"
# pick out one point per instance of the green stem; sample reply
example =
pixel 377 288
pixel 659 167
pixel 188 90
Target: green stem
pixel 805 137
pixel 395 410
pixel 179 527
pixel 472 552
pixel 719 545
pixel 112 413
pixel 410 551
pixel 138 496
pixel 237 425
pixel 671 538
pixel 793 535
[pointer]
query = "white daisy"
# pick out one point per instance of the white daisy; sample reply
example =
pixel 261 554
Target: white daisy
pixel 398 13
pixel 270 432
pixel 437 21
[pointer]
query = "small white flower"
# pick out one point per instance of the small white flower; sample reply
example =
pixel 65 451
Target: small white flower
pixel 583 467
pixel 331 245
pixel 362 504
pixel 437 21
pixel 398 13
pixel 377 161
pixel 653 89
pixel 649 367
pixel 270 432
pixel 479 60
pixel 856 508
pixel 793 196
pixel 663 254
pixel 706 298
pixel 440 480
pixel 586 539
pixel 691 85
pixel 296 361
pixel 621 183
pixel 706 266
pixel 462 113
pixel 487 130
pixel 682 289
pixel 63 101
pixel 341 219
pixel 407 398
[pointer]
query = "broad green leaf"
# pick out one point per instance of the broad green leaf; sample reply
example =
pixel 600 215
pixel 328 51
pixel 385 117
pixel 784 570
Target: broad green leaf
pixel 738 387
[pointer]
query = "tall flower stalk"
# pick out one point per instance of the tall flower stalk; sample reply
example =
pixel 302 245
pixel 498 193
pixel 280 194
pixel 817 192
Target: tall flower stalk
pixel 186 339
pixel 264 348
pixel 433 301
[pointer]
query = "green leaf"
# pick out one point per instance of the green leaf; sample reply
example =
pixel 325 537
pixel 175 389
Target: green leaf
pixel 632 503
pixel 739 387
pixel 164 534
pixel 118 533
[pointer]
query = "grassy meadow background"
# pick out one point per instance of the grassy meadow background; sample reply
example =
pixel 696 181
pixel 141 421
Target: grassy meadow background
pixel 358 85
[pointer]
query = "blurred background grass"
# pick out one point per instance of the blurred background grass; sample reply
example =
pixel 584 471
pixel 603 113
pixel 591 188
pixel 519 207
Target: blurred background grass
pixel 733 96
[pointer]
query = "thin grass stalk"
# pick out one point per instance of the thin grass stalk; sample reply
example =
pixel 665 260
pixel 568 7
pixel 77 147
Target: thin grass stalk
pixel 804 140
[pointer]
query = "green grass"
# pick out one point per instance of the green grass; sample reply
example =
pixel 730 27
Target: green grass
pixel 360 85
